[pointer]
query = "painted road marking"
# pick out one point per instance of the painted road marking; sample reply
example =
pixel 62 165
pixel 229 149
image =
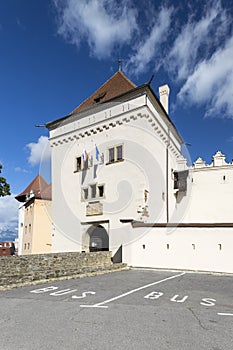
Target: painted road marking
pixel 84 294
pixel 224 314
pixel 156 295
pixel 43 290
pixel 61 292
pixel 132 291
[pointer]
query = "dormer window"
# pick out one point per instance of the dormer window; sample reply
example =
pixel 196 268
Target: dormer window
pixel 99 97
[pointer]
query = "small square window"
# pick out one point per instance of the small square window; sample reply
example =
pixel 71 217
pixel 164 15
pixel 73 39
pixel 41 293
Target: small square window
pixel 93 191
pixel 101 190
pixel 85 193
pixel 78 164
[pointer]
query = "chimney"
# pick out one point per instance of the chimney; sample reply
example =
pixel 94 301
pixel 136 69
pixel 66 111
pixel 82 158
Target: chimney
pixel 164 94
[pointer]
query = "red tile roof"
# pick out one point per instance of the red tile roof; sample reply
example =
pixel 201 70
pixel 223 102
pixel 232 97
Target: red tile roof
pixel 39 187
pixel 116 85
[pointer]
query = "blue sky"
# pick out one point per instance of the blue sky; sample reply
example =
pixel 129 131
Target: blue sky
pixel 55 53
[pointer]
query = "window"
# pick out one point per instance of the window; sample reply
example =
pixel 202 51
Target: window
pixel 111 155
pixel 180 180
pixel 101 191
pixel 85 193
pixel 79 164
pixel 115 154
pixel 93 191
pixel 119 152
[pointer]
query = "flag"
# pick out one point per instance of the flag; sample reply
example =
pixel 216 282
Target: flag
pixel 97 153
pixel 84 155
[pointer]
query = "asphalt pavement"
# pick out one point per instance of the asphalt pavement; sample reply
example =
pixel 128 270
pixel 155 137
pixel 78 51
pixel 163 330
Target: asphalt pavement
pixel 133 309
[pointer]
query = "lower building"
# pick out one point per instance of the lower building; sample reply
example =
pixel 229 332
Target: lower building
pixel 35 218
pixel 7 248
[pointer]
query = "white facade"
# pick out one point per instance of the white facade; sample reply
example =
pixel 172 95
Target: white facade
pixel 123 197
pixel 138 187
pixel 212 192
pixel 189 248
pixel 203 239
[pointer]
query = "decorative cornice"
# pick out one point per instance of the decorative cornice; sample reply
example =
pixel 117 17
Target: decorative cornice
pixel 158 129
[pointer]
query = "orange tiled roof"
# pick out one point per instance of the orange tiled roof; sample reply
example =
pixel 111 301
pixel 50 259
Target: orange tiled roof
pixel 116 85
pixel 41 190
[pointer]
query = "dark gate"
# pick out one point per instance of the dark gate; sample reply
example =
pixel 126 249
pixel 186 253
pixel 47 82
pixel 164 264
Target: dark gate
pixel 99 240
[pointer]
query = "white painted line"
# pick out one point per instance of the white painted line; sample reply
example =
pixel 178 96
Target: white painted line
pixel 96 305
pixel 133 291
pixel 224 314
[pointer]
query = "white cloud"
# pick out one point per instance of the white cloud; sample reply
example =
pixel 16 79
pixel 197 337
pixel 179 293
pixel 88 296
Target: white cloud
pixel 39 151
pixel 8 213
pixel 186 41
pixel 18 169
pixel 212 83
pixel 104 24
pixel 197 39
pixel 148 47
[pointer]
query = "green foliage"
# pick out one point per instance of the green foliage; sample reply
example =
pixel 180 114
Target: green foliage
pixel 4 186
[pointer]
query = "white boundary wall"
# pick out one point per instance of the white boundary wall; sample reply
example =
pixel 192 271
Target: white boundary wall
pixel 188 248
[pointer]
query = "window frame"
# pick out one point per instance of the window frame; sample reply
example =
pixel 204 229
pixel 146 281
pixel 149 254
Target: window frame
pixel 115 154
pixel 89 192
pixel 80 164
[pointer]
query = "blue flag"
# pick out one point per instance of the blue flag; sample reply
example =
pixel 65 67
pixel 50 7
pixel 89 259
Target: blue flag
pixel 97 153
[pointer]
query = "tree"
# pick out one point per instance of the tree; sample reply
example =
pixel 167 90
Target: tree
pixel 4 186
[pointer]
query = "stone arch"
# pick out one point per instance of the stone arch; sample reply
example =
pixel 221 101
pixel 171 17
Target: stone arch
pixel 96 238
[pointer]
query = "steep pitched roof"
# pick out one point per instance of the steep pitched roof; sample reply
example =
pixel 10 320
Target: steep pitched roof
pixel 116 85
pixel 39 188
pixel 116 88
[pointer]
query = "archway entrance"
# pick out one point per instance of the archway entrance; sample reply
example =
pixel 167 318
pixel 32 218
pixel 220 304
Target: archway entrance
pixel 99 240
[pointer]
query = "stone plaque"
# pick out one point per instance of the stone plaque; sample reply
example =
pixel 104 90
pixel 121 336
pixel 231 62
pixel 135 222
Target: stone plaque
pixel 95 208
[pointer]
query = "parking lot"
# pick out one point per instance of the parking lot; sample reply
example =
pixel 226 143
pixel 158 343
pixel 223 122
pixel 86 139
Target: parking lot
pixel 134 309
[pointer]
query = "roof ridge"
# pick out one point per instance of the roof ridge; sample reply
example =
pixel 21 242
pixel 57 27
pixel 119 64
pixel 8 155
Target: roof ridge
pixel 134 85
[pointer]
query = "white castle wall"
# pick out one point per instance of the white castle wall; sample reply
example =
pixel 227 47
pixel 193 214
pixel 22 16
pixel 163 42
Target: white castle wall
pixel 190 248
pixel 212 192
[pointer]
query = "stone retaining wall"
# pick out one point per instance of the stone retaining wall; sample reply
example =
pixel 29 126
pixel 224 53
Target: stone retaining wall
pixel 23 269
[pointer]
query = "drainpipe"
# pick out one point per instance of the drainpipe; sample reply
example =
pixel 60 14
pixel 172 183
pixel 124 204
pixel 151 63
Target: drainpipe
pixel 167 176
pixel 164 99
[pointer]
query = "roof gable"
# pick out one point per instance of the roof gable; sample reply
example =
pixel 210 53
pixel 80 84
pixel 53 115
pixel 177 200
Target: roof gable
pixel 116 85
pixel 39 187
